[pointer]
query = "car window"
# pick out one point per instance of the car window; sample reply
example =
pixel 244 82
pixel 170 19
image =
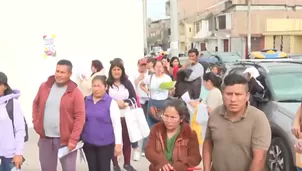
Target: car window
pixel 287 86
pixel 238 71
pixel 229 58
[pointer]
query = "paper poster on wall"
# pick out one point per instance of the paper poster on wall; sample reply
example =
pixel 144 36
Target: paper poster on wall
pixel 49 46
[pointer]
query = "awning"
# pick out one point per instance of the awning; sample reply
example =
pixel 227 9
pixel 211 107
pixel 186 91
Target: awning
pixel 199 37
pixel 219 35
pixel 283 33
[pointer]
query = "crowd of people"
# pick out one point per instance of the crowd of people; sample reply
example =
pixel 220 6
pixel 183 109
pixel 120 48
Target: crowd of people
pixel 94 112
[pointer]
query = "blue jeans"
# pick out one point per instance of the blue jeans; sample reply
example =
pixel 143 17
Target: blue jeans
pixel 299 169
pixel 134 145
pixel 160 104
pixel 6 164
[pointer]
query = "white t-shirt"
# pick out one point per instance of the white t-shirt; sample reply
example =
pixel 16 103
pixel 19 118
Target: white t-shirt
pixel 142 95
pixel 157 93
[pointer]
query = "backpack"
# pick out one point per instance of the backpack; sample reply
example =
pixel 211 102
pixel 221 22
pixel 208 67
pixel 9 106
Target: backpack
pixel 10 112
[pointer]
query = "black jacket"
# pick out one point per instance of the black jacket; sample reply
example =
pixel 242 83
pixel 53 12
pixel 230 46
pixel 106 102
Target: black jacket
pixel 182 86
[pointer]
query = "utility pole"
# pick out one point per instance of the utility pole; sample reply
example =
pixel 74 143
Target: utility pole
pixel 249 30
pixel 174 27
pixel 145 21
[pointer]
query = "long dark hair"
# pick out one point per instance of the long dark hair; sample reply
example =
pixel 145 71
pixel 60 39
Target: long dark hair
pixel 215 79
pixel 110 80
pixel 181 108
pixel 173 59
pixel 98 65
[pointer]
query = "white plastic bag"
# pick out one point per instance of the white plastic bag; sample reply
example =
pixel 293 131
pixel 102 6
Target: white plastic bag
pixel 202 114
pixel 136 123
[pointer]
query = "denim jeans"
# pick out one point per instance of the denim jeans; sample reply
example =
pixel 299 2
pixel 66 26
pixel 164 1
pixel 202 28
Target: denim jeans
pixel 299 169
pixel 134 145
pixel 6 164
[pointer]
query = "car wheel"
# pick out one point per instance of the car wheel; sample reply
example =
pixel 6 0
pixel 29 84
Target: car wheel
pixel 279 156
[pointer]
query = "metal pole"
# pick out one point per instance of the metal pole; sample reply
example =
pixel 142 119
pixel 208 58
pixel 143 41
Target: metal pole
pixel 249 26
pixel 174 27
pixel 145 21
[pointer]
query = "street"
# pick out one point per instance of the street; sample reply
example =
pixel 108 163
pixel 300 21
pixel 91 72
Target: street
pixel 32 157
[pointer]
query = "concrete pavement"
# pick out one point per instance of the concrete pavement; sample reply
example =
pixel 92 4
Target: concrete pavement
pixel 32 157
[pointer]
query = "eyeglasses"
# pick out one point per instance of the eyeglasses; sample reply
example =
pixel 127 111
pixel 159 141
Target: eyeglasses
pixel 165 117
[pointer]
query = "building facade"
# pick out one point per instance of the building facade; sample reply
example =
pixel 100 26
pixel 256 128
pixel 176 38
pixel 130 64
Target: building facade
pixel 227 29
pixel 158 33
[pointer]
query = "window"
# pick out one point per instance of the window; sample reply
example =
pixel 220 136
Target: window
pixel 211 24
pixel 221 22
pixel 197 27
pixel 238 71
pixel 281 82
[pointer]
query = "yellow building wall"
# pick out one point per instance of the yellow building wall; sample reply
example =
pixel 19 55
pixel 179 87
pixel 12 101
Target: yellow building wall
pixel 190 31
pixel 182 47
pixel 296 44
pixel 186 33
pixel 281 25
pixel 268 42
pixel 290 29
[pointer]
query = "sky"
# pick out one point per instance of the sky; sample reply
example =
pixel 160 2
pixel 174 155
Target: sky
pixel 156 9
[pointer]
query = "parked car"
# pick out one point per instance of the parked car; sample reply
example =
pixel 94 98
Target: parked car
pixel 221 59
pixel 283 92
pixel 227 57
pixel 295 56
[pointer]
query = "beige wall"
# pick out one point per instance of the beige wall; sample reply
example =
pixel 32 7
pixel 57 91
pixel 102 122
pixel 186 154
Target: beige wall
pixel 297 43
pixel 189 8
pixel 258 21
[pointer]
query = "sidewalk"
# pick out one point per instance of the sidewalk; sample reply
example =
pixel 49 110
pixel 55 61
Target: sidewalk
pixel 32 157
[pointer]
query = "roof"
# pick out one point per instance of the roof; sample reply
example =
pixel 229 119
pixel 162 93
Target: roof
pixel 283 67
pixel 157 21
pixel 278 67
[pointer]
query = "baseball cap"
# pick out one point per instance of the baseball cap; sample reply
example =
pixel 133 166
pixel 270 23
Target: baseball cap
pixel 142 61
pixel 3 78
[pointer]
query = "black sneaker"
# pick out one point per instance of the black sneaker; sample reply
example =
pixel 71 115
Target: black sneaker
pixel 129 168
pixel 116 168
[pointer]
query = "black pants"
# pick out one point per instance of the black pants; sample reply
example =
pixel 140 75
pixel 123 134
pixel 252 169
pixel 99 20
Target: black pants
pixel 145 107
pixel 98 157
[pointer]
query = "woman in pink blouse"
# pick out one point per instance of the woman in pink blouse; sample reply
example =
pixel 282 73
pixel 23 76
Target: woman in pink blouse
pixel 121 90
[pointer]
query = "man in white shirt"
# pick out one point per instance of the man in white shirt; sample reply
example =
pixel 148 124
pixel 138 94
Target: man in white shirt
pixel 138 77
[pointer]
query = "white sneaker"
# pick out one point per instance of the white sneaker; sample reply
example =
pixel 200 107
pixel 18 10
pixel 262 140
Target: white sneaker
pixel 136 156
pixel 143 154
